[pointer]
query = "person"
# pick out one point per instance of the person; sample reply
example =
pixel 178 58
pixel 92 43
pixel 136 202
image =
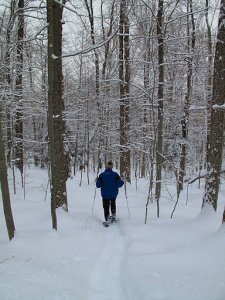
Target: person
pixel 109 182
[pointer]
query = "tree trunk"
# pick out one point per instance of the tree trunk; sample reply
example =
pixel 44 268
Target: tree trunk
pixel 89 7
pixel 147 56
pixel 19 89
pixel 159 145
pixel 223 216
pixel 210 67
pixel 185 118
pixel 215 147
pixel 56 124
pixel 124 76
pixel 5 188
pixel 8 78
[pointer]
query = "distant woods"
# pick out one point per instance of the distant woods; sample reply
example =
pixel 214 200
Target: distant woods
pixel 137 82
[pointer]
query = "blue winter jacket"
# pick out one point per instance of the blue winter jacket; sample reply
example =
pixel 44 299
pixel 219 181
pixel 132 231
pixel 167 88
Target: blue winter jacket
pixel 109 182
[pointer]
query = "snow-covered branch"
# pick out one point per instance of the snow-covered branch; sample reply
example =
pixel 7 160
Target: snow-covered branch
pixel 218 107
pixel 87 50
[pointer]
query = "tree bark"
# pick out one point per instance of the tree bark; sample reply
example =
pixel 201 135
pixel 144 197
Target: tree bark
pixel 89 7
pixel 215 146
pixel 210 67
pixel 159 145
pixel 19 89
pixel 8 78
pixel 185 118
pixel 223 216
pixel 124 76
pixel 56 124
pixel 5 188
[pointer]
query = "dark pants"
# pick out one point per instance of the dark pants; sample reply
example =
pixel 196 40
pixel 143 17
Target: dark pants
pixel 109 203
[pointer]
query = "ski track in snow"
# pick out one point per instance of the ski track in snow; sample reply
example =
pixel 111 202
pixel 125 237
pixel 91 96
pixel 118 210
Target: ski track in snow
pixel 106 281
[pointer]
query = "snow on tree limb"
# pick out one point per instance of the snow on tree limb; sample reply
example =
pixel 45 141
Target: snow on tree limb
pixel 87 50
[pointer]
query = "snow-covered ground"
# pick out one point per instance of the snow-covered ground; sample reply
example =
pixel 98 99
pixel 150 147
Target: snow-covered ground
pixel 166 259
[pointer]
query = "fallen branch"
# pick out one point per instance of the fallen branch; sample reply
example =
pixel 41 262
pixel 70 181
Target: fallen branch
pixel 190 181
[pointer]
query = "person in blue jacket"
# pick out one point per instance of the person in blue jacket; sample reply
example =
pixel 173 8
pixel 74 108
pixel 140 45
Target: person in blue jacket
pixel 109 182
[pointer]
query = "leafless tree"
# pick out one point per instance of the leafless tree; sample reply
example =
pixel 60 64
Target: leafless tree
pixel 124 77
pixel 216 135
pixel 185 118
pixel 19 89
pixel 159 145
pixel 5 187
pixel 56 124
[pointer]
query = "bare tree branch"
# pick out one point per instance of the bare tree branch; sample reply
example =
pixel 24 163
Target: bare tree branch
pixel 87 50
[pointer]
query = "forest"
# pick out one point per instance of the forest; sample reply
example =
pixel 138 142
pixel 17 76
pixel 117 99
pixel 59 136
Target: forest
pixel 138 82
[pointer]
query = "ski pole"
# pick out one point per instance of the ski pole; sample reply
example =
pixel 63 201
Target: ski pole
pixel 125 190
pixel 94 195
pixel 93 201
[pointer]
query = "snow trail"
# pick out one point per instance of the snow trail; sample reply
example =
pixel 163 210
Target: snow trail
pixel 106 280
